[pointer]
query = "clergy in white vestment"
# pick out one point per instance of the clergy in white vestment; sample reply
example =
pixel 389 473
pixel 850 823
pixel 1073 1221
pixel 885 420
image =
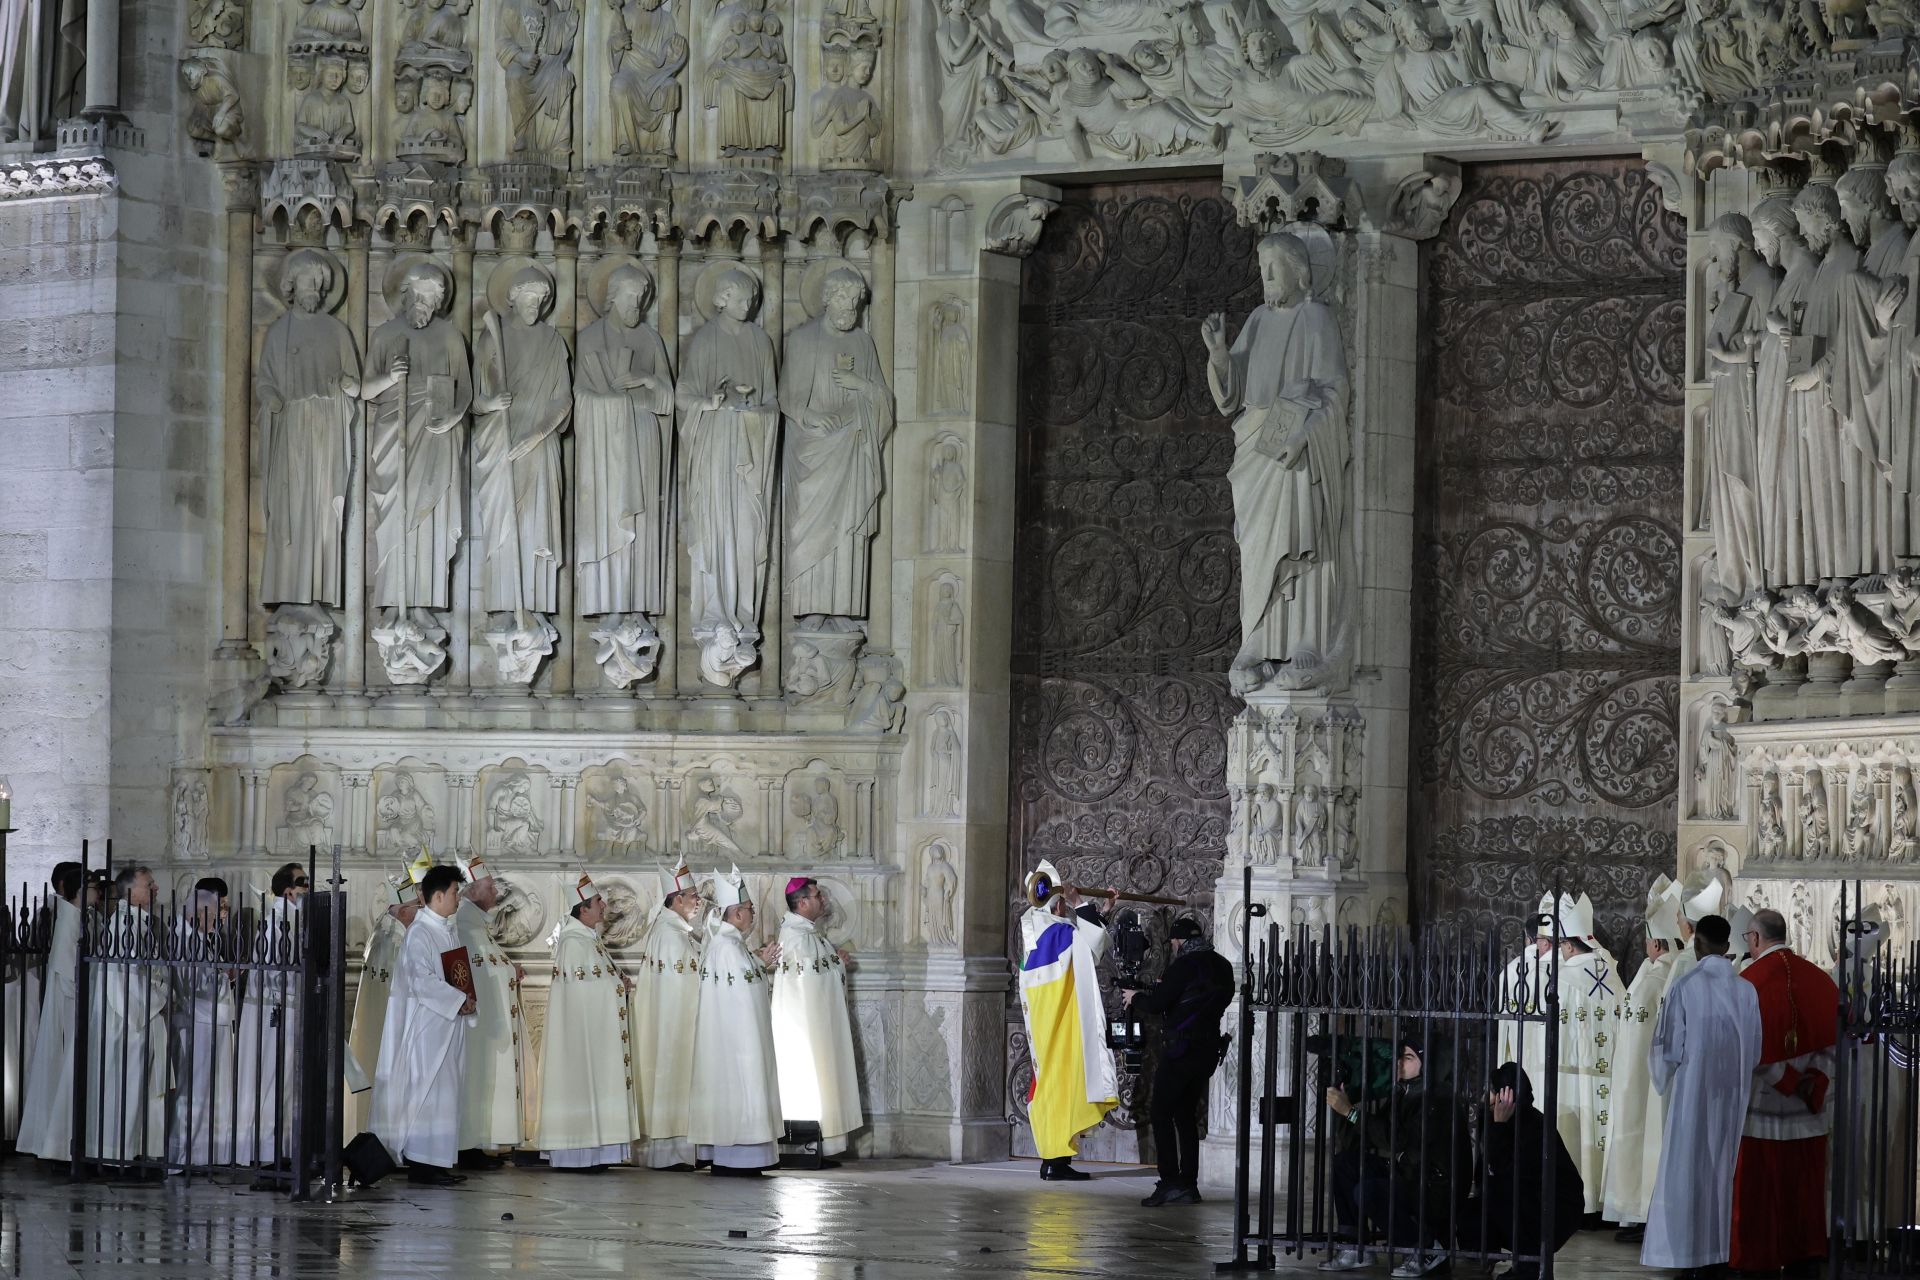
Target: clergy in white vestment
pixel 818 1078
pixel 588 1119
pixel 665 1003
pixel 269 1046
pixel 46 1113
pixel 127 1040
pixel 1639 1113
pixel 1705 1047
pixel 203 1049
pixel 1590 990
pixel 1523 991
pixel 416 1112
pixel 736 1121
pixel 493 1081
pixel 376 987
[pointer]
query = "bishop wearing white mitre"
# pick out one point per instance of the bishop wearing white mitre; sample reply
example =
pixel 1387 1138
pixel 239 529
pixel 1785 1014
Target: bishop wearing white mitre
pixel 371 997
pixel 818 1079
pixel 665 1004
pixel 1590 991
pixel 736 1120
pixel 1639 1113
pixel 588 1118
pixel 416 1111
pixel 494 1080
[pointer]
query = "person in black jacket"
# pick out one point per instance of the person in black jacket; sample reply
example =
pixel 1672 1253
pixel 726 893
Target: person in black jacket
pixel 1516 1209
pixel 1190 998
pixel 1403 1165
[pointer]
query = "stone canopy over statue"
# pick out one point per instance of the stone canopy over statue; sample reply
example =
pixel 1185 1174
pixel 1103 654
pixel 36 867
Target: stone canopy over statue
pixel 1285 377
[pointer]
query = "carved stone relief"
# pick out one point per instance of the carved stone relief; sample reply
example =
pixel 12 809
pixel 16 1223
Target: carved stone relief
pixel 534 42
pixel 514 813
pixel 846 116
pixel 617 805
pixel 879 696
pixel 410 811
pixel 946 359
pixel 187 827
pixel 1549 509
pixel 305 814
pixel 433 82
pixel 939 887
pixel 713 813
pixel 752 82
pixel 814 832
pixel 945 636
pixel 648 55
pixel 944 527
pixel 941 769
pixel 520 914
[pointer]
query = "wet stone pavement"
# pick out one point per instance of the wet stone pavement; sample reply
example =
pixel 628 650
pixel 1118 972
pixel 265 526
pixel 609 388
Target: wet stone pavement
pixel 880 1220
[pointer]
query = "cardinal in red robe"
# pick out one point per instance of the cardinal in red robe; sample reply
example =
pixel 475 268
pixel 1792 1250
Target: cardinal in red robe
pixel 1780 1184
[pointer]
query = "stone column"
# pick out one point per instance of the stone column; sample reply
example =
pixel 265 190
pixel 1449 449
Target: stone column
pixel 666 680
pixel 236 411
pixel 353 644
pixel 103 60
pixel 1318 775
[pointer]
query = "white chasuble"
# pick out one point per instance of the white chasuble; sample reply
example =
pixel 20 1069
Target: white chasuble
pixel 370 1012
pixel 1638 1113
pixel 736 1094
pixel 818 1077
pixel 46 1114
pixel 1590 991
pixel 491 1081
pixel 665 1004
pixel 416 1106
pixel 586 1091
pixel 1705 1045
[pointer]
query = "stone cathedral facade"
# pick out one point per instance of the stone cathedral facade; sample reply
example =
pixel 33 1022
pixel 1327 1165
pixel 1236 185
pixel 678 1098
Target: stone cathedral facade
pixel 1417 450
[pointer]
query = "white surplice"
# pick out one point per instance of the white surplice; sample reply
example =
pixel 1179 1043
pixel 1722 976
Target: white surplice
pixel 665 1005
pixel 416 1113
pixel 736 1118
pixel 1633 1145
pixel 1705 1046
pixel 1522 990
pixel 492 1080
pixel 268 1053
pixel 818 1077
pixel 1590 990
pixel 370 1013
pixel 46 1113
pixel 127 1063
pixel 203 1051
pixel 587 1110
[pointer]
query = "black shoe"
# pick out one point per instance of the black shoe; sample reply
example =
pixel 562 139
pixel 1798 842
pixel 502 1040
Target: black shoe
pixel 1632 1235
pixel 1182 1195
pixel 475 1158
pixel 428 1175
pixel 723 1171
pixel 1062 1170
pixel 1159 1197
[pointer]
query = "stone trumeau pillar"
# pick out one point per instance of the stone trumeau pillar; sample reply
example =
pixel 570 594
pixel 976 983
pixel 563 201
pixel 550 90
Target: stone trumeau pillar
pixel 1317 761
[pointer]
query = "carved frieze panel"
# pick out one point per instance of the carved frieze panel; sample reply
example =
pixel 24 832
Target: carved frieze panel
pixel 1548 633
pixel 1832 801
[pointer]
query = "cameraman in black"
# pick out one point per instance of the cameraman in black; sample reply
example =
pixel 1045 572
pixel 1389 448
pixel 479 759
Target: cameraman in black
pixel 1190 998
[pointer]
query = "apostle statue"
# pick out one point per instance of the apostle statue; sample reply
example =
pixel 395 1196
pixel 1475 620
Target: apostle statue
pixel 375 989
pixel 494 1080
pixel 664 1008
pixel 416 1111
pixel 736 1121
pixel 729 421
pixel 1902 390
pixel 819 1080
pixel 418 381
pixel 648 55
pixel 302 390
pixel 1776 236
pixel 1857 381
pixel 588 1116
pixel 1742 288
pixel 623 411
pixel 535 49
pixel 525 400
pixel 840 414
pixel 1286 379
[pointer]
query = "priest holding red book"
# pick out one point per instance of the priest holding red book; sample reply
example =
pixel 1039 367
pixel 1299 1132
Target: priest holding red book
pixel 416 1112
pixel 1780 1185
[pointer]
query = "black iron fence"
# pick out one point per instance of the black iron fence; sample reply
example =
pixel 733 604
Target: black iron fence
pixel 1335 1156
pixel 183 1035
pixel 1368 1067
pixel 1875 1153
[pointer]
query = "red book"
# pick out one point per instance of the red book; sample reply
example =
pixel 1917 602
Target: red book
pixel 457 969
